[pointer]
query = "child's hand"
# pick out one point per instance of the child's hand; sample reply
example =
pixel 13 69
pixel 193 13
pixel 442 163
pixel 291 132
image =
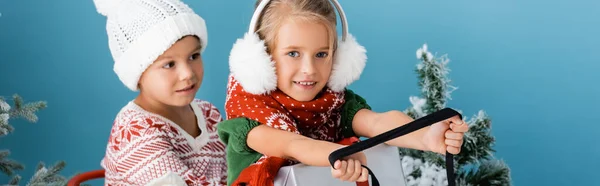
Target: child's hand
pixel 350 168
pixel 445 136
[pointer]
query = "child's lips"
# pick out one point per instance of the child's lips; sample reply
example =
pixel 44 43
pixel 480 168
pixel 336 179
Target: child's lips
pixel 188 88
pixel 305 83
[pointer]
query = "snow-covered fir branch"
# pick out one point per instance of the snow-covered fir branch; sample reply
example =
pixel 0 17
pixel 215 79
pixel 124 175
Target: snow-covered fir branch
pixel 48 176
pixel 488 172
pixel 8 166
pixel 433 80
pixel 5 128
pixel 475 165
pixel 428 174
pixel 418 106
pixel 478 141
pixel 26 110
pixel 15 180
pixel 43 175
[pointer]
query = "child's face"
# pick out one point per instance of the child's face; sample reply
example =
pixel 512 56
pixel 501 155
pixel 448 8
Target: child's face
pixel 301 58
pixel 176 75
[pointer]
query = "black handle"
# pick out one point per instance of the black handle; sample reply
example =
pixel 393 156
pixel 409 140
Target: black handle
pixel 397 132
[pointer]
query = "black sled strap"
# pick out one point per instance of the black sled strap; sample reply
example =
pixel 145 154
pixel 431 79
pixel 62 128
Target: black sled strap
pixel 397 132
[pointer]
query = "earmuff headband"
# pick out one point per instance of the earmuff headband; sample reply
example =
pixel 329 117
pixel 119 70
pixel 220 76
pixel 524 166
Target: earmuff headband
pixel 263 4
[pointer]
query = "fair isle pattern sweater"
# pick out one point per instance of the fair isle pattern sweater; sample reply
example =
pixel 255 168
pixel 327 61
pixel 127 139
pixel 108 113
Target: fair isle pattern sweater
pixel 147 149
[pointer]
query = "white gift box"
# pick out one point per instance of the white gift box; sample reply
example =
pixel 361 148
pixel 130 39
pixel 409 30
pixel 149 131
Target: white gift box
pixel 382 159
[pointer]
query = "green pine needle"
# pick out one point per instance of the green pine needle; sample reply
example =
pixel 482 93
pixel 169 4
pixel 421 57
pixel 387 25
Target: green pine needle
pixel 28 110
pixel 48 176
pixel 15 180
pixel 8 166
pixel 493 172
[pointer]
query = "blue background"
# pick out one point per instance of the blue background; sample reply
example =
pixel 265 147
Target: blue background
pixel 531 65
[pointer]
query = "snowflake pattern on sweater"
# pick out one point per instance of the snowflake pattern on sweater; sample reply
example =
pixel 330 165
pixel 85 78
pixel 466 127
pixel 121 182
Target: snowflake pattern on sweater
pixel 145 149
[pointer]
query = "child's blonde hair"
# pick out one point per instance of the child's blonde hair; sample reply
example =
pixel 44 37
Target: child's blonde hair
pixel 277 12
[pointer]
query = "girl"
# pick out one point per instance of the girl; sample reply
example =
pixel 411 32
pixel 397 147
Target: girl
pixel 164 136
pixel 287 102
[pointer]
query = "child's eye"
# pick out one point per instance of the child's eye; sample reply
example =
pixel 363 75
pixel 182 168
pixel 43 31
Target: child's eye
pixel 169 65
pixel 293 54
pixel 195 56
pixel 322 54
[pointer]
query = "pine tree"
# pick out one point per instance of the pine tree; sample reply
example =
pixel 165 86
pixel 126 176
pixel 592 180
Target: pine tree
pixel 43 175
pixel 475 164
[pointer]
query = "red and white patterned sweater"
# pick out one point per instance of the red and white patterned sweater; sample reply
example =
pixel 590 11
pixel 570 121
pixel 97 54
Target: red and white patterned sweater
pixel 147 149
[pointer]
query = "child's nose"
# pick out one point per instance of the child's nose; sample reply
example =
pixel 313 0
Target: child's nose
pixel 185 71
pixel 308 66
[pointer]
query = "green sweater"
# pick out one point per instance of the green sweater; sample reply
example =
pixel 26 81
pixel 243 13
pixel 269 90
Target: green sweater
pixel 233 133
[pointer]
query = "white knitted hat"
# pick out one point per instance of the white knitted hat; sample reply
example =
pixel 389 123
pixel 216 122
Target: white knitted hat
pixel 141 30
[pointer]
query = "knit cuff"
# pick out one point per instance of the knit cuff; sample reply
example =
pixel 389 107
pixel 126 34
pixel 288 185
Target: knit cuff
pixel 234 132
pixel 353 104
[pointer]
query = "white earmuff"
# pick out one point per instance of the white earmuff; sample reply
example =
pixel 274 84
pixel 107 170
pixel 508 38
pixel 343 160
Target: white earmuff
pixel 252 67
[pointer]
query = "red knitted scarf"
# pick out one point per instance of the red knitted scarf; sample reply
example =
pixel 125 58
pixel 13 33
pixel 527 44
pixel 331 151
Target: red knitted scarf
pixel 317 119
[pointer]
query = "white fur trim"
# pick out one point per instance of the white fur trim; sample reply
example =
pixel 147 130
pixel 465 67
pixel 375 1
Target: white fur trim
pixel 251 66
pixel 349 62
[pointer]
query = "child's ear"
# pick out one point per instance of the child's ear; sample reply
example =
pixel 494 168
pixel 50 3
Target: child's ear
pixel 139 84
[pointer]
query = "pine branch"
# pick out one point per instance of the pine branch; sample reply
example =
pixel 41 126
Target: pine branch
pixel 26 110
pixel 417 109
pixel 18 100
pixel 5 128
pixel 412 153
pixel 462 182
pixel 493 172
pixel 421 173
pixel 478 141
pixel 48 176
pixel 54 174
pixel 433 81
pixel 4 107
pixel 43 176
pixel 411 167
pixel 8 166
pixel 20 110
pixel 15 180
pixel 411 112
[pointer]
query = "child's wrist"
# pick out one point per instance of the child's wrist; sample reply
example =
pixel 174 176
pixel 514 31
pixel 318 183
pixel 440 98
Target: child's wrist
pixel 422 145
pixel 327 148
